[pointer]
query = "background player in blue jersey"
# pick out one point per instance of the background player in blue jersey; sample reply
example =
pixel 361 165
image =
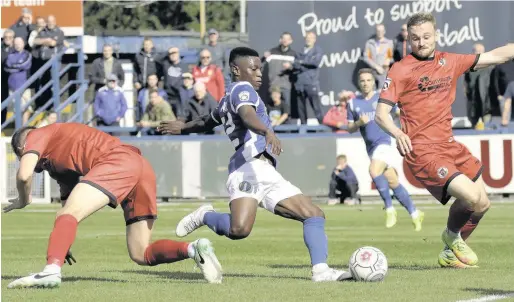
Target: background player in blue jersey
pixel 253 180
pixel 361 116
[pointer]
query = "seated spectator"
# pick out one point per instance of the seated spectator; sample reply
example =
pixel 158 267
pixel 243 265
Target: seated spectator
pixel 143 98
pixel 186 90
pixel 278 110
pixel 157 111
pixel 110 104
pixel 210 74
pixel 50 118
pixel 343 179
pixel 336 116
pixel 506 105
pixel 202 102
pixel 17 65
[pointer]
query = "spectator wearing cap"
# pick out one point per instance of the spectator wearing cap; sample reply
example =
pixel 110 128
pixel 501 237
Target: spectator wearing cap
pixel 201 104
pixel 216 49
pixel 173 68
pixel 278 110
pixel 104 66
pixel 145 64
pixel 17 65
pixel 157 111
pixel 209 74
pixel 23 26
pixel 110 104
pixel 7 47
pixel 378 54
pixel 337 117
pixel 186 90
pixel 143 98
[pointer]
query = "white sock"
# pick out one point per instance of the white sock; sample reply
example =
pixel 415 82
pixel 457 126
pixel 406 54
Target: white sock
pixel 319 267
pixel 452 235
pixel 52 269
pixel 414 214
pixel 191 250
pixel 390 209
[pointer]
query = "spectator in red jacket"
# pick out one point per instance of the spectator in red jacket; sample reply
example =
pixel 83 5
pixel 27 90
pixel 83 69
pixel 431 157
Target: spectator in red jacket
pixel 336 116
pixel 209 74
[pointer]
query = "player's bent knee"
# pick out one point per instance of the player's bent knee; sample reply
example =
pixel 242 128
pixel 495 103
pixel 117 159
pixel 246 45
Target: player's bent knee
pixel 239 232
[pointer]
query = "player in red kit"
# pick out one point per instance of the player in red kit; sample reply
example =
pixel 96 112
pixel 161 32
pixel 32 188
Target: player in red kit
pixel 112 174
pixel 424 84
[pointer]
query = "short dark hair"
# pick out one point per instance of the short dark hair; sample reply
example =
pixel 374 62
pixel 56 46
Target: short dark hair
pixel 152 91
pixel 366 70
pixel 18 138
pixel 420 18
pixel 286 33
pixel 239 52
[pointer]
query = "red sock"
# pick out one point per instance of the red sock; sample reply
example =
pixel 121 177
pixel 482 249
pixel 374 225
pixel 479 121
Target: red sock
pixel 165 251
pixel 61 239
pixel 470 225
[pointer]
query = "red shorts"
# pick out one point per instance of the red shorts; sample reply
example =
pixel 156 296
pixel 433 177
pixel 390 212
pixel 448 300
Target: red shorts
pixel 436 165
pixel 127 178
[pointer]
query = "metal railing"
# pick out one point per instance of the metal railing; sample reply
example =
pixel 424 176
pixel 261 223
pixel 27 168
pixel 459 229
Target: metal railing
pixel 54 65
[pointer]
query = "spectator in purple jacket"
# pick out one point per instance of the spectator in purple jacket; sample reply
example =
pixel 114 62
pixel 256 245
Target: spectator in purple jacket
pixel 110 103
pixel 17 64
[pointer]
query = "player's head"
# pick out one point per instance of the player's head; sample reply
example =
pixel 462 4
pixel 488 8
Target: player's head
pixel 422 34
pixel 245 65
pixel 18 139
pixel 366 80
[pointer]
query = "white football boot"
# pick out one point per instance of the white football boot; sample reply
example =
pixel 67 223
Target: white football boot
pixel 206 260
pixel 192 221
pixel 44 280
pixel 323 273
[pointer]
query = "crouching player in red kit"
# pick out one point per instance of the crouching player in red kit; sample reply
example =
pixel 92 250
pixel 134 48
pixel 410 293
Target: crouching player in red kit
pixel 112 174
pixel 424 84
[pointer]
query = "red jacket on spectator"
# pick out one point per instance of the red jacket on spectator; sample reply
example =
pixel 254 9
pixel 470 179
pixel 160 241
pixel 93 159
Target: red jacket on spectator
pixel 212 77
pixel 334 116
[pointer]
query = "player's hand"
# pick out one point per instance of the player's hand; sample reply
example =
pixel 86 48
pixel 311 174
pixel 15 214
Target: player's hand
pixel 171 127
pixel 403 143
pixel 69 257
pixel 364 119
pixel 271 139
pixel 15 203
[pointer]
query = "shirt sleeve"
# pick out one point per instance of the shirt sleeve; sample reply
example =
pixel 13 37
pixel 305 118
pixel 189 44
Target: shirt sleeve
pixel 215 115
pixel 463 63
pixel 392 88
pixel 243 94
pixel 38 140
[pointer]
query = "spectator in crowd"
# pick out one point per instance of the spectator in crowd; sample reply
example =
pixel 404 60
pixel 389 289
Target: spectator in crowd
pixel 379 54
pixel 209 74
pixel 502 75
pixel 110 104
pixel 202 102
pixel 401 47
pixel 48 42
pixel 173 68
pixel 145 63
pixel 476 88
pixel 278 110
pixel 157 111
pixel 40 26
pixel 7 47
pixel 506 105
pixel 336 116
pixel 17 65
pixel 36 60
pixel 50 118
pixel 344 181
pixel 217 50
pixel 143 98
pixel 277 74
pixel 105 66
pixel 24 26
pixel 186 90
pixel 306 71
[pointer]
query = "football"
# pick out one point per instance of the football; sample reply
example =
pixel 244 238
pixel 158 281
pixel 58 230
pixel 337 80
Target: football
pixel 368 264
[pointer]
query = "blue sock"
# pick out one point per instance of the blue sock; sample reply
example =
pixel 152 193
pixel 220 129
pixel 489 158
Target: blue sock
pixel 383 188
pixel 404 198
pixel 218 222
pixel 315 239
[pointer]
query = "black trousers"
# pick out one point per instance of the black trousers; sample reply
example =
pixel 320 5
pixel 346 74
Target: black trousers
pixel 347 190
pixel 308 93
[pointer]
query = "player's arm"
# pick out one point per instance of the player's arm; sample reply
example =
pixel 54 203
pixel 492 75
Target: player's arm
pixel 199 125
pixel 496 56
pixel 354 123
pixel 28 163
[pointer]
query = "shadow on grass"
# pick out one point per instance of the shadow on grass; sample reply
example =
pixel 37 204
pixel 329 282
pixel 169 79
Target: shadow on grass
pixel 72 279
pixel 490 291
pixel 414 267
pixel 199 277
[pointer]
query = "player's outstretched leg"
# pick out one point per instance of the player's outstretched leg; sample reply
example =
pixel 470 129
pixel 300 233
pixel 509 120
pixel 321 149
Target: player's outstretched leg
pixel 236 225
pixel 83 201
pixel 162 251
pixel 301 208
pixel 404 198
pixel 470 199
pixel 376 171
